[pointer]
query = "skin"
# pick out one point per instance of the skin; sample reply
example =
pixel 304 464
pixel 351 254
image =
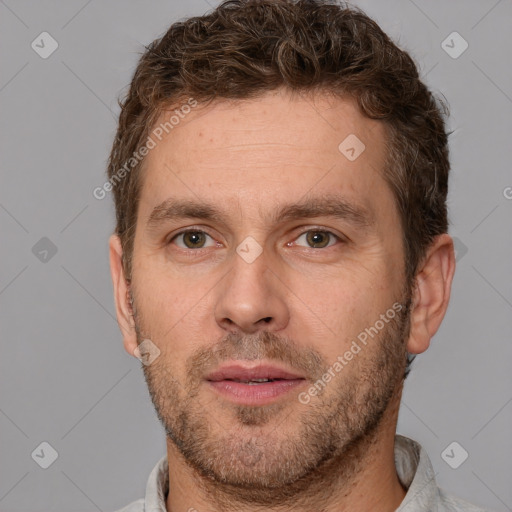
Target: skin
pixel 296 305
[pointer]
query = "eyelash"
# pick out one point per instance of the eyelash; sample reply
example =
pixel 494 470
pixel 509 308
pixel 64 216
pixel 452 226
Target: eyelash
pixel 318 230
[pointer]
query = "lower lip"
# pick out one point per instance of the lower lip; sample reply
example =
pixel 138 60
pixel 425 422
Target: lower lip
pixel 255 394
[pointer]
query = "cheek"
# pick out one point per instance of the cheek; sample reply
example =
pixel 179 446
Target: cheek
pixel 174 310
pixel 351 304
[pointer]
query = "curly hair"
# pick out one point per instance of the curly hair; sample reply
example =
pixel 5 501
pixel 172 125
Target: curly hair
pixel 245 48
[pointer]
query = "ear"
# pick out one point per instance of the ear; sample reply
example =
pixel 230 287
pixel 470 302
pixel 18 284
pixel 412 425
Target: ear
pixel 432 293
pixel 124 309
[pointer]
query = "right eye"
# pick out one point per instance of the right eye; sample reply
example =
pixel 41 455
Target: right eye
pixel 192 239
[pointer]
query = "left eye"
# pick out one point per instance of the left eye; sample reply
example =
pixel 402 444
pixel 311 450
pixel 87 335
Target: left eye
pixel 318 239
pixel 192 239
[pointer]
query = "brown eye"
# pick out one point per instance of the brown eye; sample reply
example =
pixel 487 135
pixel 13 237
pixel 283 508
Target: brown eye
pixel 191 239
pixel 318 239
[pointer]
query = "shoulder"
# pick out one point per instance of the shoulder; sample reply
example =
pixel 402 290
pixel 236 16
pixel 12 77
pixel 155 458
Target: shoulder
pixel 449 503
pixel 134 506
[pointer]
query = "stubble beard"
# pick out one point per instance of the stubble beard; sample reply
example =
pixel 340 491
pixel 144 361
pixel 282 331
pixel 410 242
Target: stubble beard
pixel 284 453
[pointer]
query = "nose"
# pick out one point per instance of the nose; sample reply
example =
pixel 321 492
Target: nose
pixel 251 298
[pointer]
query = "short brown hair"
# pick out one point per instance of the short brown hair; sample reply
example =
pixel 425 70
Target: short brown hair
pixel 245 48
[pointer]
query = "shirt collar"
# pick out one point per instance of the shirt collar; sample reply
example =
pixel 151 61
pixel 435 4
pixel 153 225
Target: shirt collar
pixel 157 487
pixel 416 474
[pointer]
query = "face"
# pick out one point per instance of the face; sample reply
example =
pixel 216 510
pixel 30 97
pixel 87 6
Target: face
pixel 263 252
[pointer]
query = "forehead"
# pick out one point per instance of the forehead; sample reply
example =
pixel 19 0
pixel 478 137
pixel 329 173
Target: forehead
pixel 260 152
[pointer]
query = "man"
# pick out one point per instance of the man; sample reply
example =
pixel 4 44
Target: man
pixel 280 256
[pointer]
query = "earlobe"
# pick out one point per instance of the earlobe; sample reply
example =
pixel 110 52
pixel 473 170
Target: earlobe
pixel 124 311
pixel 431 293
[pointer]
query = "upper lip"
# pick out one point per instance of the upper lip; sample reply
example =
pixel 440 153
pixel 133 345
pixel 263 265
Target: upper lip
pixel 238 371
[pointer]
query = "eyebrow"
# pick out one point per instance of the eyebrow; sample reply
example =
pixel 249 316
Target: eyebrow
pixel 324 206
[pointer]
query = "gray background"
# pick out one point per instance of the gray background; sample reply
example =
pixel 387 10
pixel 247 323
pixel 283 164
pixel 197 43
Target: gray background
pixel 64 376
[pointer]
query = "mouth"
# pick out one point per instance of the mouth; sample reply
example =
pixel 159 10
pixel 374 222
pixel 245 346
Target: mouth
pixel 259 384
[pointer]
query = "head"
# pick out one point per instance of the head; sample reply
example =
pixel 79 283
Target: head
pixel 297 145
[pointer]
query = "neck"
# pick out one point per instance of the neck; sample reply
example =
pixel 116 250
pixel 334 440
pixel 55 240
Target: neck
pixel 361 478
